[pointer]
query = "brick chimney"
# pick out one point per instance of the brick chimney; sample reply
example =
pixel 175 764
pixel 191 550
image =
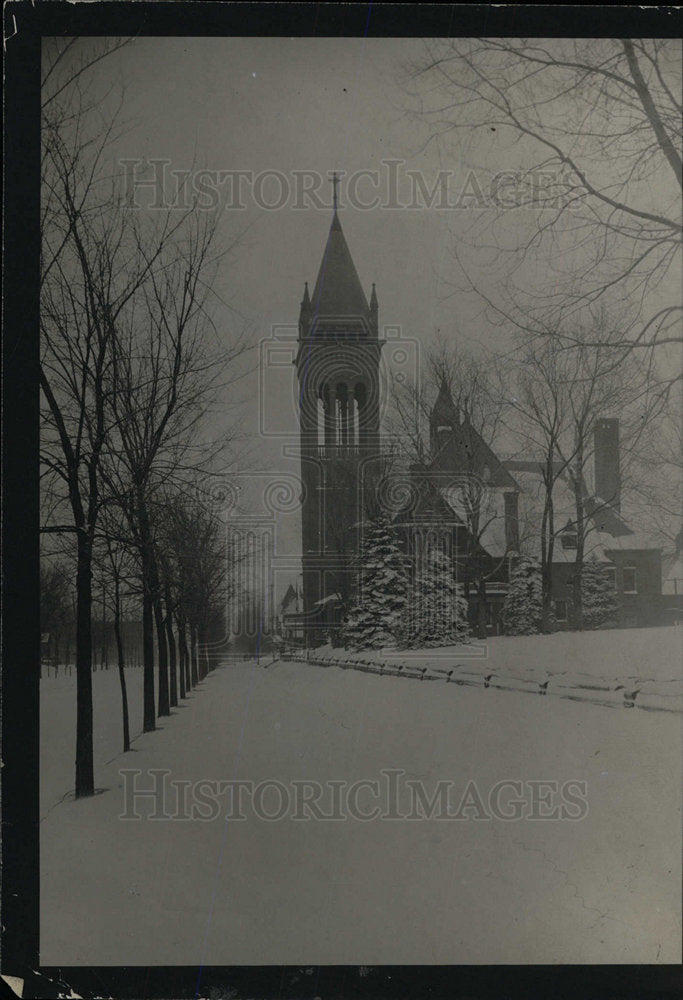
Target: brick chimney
pixel 606 457
pixel 511 520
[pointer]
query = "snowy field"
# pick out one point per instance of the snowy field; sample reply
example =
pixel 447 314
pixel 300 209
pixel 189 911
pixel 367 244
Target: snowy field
pixel 601 889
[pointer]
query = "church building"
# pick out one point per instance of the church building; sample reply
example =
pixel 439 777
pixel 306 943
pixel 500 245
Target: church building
pixel 484 509
pixel 337 365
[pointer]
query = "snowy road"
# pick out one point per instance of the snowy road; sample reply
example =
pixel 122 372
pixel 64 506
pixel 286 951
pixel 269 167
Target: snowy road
pixel 605 888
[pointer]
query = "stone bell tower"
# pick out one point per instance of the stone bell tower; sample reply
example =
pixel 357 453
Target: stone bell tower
pixel 339 412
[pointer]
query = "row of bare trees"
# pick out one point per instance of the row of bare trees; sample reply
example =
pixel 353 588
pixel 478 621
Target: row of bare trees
pixel 130 363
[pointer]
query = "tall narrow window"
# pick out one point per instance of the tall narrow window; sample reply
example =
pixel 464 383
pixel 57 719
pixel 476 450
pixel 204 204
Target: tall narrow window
pixel 341 413
pixel 630 580
pixel 360 395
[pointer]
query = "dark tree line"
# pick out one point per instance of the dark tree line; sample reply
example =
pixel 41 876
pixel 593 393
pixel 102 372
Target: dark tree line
pixel 130 364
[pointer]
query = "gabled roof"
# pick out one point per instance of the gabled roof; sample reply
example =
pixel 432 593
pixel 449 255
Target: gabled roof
pixel 605 518
pixel 338 291
pixel 291 594
pixel 465 451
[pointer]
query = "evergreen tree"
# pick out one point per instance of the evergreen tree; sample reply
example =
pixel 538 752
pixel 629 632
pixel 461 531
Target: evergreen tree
pixel 438 609
pixel 522 610
pixel 377 613
pixel 598 597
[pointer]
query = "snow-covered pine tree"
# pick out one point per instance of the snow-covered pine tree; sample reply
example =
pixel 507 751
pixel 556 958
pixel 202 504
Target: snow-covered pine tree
pixel 376 616
pixel 598 599
pixel 522 610
pixel 438 609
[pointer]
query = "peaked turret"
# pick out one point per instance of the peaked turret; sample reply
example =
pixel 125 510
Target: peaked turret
pixel 444 405
pixel 304 312
pixel 374 312
pixel 338 291
pixel 443 419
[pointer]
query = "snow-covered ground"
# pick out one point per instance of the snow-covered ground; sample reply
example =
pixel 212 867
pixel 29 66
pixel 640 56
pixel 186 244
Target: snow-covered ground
pixel 652 653
pixel 637 666
pixel 604 888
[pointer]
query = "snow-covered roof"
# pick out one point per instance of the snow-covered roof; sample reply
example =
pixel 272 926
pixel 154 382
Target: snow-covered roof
pixel 625 543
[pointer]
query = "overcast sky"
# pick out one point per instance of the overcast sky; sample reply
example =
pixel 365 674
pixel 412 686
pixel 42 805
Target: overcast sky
pixel 288 105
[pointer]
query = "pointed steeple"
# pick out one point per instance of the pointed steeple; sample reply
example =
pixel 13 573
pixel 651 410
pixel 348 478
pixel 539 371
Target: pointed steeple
pixel 305 311
pixel 374 306
pixel 444 408
pixel 338 291
pixel 443 419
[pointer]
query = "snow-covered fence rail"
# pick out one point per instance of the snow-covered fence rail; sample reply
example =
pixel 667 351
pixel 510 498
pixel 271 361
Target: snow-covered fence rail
pixel 619 692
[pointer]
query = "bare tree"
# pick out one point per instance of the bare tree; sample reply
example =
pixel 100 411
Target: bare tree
pixel 540 398
pixel 195 535
pixel 559 393
pixel 478 408
pixel 124 370
pixel 583 206
pixel 472 385
pixel 55 606
pixel 85 285
pixel 119 570
pixel 163 377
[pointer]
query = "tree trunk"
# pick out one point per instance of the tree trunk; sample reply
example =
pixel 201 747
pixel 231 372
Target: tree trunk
pixel 85 776
pixel 193 654
pixel 577 588
pixel 155 599
pixel 204 644
pixel 121 664
pixel 181 671
pixel 185 656
pixel 480 629
pixel 162 672
pixel 149 713
pixel 146 555
pixel 547 550
pixel 170 641
pixel 207 660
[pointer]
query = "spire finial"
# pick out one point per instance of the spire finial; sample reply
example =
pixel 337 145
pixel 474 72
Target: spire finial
pixel 335 182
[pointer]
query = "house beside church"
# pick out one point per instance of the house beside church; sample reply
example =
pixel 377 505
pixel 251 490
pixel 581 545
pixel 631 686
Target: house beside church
pixel 493 509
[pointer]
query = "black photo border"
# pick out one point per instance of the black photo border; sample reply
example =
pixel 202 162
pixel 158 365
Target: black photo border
pixel 25 24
